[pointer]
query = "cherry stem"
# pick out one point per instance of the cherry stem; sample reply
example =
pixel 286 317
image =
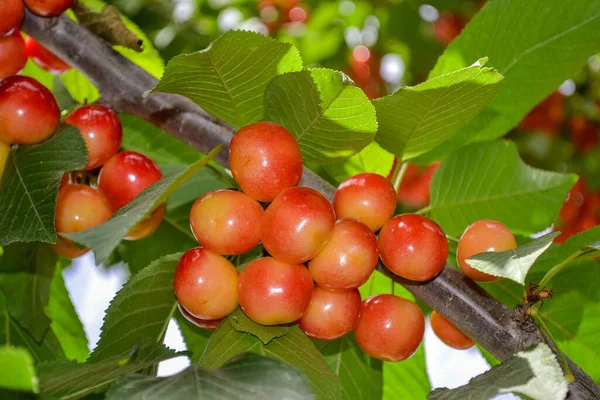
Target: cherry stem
pixel 557 268
pixel 452 239
pixel 423 210
pixel 400 176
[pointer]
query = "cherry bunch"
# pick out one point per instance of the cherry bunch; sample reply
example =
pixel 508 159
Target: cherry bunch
pixel 316 264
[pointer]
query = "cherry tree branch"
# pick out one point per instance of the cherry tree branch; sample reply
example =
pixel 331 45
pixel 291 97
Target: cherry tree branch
pixel 122 85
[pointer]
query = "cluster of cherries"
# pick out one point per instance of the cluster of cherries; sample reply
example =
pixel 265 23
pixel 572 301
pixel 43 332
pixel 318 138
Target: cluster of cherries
pixel 316 264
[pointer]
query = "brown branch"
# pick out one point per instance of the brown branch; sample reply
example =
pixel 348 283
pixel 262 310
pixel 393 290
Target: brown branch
pixel 122 85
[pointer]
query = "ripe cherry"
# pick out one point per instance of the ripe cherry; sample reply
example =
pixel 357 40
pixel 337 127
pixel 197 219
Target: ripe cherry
pixel 4 153
pixel 101 130
pixel 348 258
pixel 448 333
pixel 206 284
pixel 12 54
pixel 297 224
pixel 479 237
pixel 49 8
pixel 78 208
pixel 226 222
pixel 147 227
pixel 413 247
pixel 389 328
pixel 28 111
pixel 44 58
pixel 331 314
pixel 370 198
pixel 272 292
pixel 12 12
pixel 210 324
pixel 265 160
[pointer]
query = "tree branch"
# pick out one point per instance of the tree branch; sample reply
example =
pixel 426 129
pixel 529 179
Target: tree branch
pixel 122 85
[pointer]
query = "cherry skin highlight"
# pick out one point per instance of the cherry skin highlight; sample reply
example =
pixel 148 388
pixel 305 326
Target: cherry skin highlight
pixel 206 284
pixel 28 111
pixel 44 58
pixel 12 54
pixel 348 258
pixel 78 208
pixel 49 8
pixel 272 292
pixel 479 237
pixel 210 324
pixel 149 225
pixel 265 160
pixel 448 333
pixel 331 314
pixel 389 328
pixel 370 198
pixel 226 222
pixel 12 12
pixel 101 130
pixel 413 247
pixel 297 224
pixel 4 153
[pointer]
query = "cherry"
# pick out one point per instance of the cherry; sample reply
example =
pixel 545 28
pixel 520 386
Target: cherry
pixel 297 224
pixel 389 328
pixel 448 333
pixel 28 111
pixel 206 284
pixel 265 160
pixel 370 198
pixel 272 292
pixel 331 314
pixel 49 8
pixel 479 237
pixel 413 247
pixel 4 153
pixel 12 12
pixel 448 26
pixel 78 208
pixel 147 227
pixel 44 58
pixel 226 222
pixel 101 130
pixel 12 54
pixel 348 258
pixel 210 324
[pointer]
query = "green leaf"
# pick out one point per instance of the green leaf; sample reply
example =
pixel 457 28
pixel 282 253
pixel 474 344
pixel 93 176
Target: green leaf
pixel 39 74
pixel 414 120
pixel 195 338
pixel 490 181
pixel 328 115
pixel 512 264
pixel 29 186
pixel 534 373
pixel 70 380
pixel 79 87
pixel 406 379
pixel 104 238
pixel 228 79
pixel 241 323
pixel 18 371
pixel 248 377
pixel 361 375
pixel 536 45
pixel 372 159
pixel 580 243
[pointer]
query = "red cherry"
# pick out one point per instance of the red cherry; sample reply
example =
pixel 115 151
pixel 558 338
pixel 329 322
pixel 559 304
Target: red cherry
pixel 448 333
pixel 101 130
pixel 210 324
pixel 12 54
pixel 370 198
pixel 49 8
pixel 206 284
pixel 12 12
pixel 4 153
pixel 448 26
pixel 44 58
pixel 78 208
pixel 272 292
pixel 265 160
pixel 331 314
pixel 297 224
pixel 348 258
pixel 413 247
pixel 415 192
pixel 28 111
pixel 389 328
pixel 479 237
pixel 573 205
pixel 147 227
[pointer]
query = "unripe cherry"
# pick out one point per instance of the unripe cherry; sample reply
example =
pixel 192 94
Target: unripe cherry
pixel 206 284
pixel 389 328
pixel 297 224
pixel 226 222
pixel 265 160
pixel 12 53
pixel 331 314
pixel 4 153
pixel 448 333
pixel 49 8
pixel 272 292
pixel 44 58
pixel 413 247
pixel 12 12
pixel 348 258
pixel 210 324
pixel 479 237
